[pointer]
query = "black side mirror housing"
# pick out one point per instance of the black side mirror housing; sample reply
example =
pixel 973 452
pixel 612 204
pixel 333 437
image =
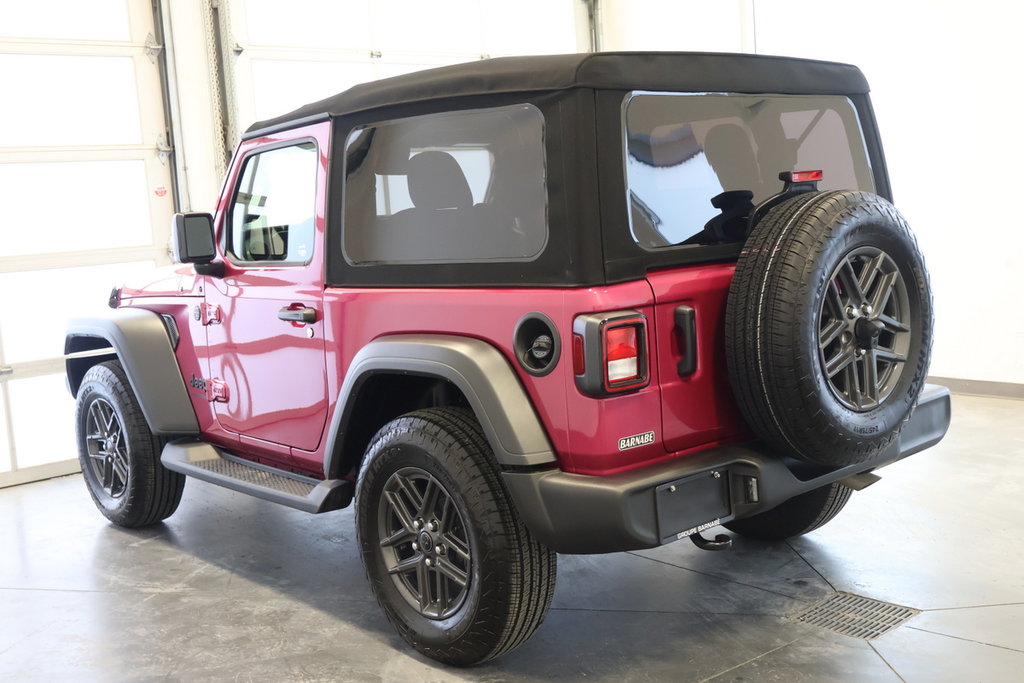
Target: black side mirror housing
pixel 192 238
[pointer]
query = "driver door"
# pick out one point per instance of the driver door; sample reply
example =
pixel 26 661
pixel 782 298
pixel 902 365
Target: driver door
pixel 265 316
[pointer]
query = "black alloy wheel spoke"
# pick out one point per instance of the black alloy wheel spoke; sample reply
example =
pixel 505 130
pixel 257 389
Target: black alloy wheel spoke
pixel 831 332
pixel 851 283
pixel 409 564
pixel 457 547
pixel 892 324
pixel 401 511
pixel 884 290
pixel 870 271
pixel 446 568
pixel 840 361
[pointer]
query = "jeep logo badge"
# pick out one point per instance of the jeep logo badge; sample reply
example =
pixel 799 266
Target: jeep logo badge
pixel 627 442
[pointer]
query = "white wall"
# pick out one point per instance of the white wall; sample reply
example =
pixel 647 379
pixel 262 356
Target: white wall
pixel 946 81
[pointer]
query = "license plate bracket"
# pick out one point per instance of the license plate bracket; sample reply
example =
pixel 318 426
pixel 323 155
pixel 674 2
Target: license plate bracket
pixel 691 504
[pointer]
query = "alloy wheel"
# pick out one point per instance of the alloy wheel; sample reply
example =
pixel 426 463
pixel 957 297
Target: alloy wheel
pixel 107 448
pixel 864 329
pixel 424 542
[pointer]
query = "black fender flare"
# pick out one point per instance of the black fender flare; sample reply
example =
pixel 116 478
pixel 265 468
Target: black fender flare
pixel 480 372
pixel 142 345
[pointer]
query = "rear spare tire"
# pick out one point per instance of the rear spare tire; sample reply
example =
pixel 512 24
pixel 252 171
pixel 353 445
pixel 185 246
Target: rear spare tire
pixel 829 326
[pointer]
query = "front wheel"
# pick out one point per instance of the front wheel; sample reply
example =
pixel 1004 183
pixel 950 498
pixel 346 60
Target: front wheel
pixel 452 565
pixel 120 457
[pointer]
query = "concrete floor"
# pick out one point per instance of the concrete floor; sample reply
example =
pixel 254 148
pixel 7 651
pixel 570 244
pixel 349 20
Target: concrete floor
pixel 232 588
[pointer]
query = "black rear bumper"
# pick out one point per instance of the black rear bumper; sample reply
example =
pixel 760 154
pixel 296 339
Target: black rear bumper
pixel 574 513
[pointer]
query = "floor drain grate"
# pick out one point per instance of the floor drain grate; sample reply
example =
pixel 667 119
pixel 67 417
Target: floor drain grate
pixel 856 616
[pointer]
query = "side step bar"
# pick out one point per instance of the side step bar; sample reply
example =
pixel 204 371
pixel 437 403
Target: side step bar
pixel 207 462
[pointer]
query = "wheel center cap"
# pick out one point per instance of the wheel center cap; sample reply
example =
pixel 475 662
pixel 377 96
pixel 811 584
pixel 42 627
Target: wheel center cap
pixel 867 331
pixel 426 542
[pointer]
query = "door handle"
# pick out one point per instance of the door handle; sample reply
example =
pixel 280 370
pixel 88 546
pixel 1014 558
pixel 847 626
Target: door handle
pixel 687 326
pixel 298 315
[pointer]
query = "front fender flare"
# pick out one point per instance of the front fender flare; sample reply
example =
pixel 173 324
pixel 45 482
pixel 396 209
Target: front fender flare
pixel 140 341
pixel 480 372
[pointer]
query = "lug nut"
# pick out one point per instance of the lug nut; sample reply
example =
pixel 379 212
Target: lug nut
pixel 860 353
pixel 432 525
pixel 415 546
pixel 417 525
pixel 441 550
pixel 429 562
pixel 852 312
pixel 866 309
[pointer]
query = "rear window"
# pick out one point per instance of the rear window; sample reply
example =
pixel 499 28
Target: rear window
pixel 458 187
pixel 695 162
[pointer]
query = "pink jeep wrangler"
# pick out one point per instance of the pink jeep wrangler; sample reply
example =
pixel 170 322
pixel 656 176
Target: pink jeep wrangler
pixel 575 304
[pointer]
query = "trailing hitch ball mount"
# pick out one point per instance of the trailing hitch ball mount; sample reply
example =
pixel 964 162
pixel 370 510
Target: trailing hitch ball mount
pixel 721 542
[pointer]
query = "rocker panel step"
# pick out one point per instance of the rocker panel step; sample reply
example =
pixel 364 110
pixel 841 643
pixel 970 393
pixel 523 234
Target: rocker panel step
pixel 207 462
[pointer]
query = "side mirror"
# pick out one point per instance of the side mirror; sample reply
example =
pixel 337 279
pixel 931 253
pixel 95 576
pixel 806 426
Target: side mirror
pixel 192 238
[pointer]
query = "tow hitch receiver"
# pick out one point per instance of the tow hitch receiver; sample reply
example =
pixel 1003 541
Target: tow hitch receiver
pixel 721 542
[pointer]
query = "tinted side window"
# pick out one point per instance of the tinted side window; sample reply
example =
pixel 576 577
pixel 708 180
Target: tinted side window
pixel 272 213
pixel 695 163
pixel 458 187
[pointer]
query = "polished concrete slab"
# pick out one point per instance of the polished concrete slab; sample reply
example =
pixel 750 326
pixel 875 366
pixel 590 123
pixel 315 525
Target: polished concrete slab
pixel 232 588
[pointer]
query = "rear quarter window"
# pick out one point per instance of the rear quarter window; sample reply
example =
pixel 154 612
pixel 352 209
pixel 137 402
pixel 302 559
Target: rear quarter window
pixel 685 150
pixel 457 187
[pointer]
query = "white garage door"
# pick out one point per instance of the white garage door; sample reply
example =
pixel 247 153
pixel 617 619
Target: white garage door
pixel 85 201
pixel 284 59
pixel 86 195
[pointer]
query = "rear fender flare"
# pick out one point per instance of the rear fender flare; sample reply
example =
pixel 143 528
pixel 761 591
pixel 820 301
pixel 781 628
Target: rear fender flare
pixel 476 368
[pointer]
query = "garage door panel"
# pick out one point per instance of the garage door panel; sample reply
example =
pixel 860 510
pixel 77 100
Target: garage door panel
pixel 43 412
pixel 68 19
pixel 75 206
pixel 428 27
pixel 529 27
pixel 336 23
pixel 73 100
pixel 283 85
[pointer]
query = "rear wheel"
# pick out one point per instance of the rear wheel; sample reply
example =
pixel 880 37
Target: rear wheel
pixel 797 516
pixel 455 570
pixel 120 457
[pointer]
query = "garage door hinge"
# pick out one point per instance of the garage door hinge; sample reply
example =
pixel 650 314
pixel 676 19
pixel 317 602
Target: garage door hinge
pixel 163 150
pixel 153 48
pixel 6 370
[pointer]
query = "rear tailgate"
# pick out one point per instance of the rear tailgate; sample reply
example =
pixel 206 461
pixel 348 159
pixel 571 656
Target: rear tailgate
pixel 697 407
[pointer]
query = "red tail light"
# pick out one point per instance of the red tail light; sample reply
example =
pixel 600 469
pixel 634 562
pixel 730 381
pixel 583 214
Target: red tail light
pixel 610 355
pixel 622 354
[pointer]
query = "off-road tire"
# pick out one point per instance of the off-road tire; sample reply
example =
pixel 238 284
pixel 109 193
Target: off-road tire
pixel 123 472
pixel 511 576
pixel 797 516
pixel 789 282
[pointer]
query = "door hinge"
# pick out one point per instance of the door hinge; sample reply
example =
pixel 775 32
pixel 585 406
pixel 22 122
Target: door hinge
pixel 218 391
pixel 163 149
pixel 153 48
pixel 207 313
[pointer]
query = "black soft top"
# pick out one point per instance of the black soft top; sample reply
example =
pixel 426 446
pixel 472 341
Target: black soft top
pixel 670 71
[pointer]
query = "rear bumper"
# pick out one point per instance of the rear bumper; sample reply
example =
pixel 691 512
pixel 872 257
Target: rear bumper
pixel 574 513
